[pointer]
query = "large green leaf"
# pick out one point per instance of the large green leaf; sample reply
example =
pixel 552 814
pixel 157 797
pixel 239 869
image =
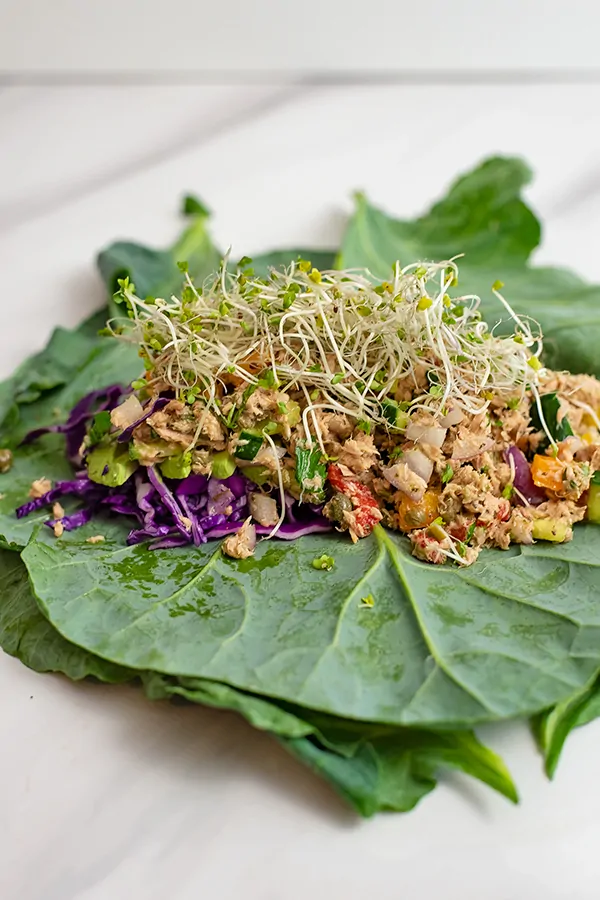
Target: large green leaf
pixel 512 635
pixel 26 634
pixel 484 217
pixel 109 362
pixel 66 353
pixel 553 727
pixel 372 770
pixel 276 259
pixel 44 459
pixel 155 272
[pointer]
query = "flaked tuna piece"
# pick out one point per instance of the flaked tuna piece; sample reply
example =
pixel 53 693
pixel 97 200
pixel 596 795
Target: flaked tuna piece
pixel 241 544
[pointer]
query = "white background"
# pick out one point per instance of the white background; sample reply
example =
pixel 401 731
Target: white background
pixel 103 795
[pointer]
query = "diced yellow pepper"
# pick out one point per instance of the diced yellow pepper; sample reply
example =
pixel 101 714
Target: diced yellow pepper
pixel 547 472
pixel 413 515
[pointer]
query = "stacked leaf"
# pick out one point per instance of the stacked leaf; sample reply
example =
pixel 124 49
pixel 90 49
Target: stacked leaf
pixel 377 697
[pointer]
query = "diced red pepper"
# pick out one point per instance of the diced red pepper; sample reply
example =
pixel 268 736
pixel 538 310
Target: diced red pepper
pixel 367 513
pixel 504 511
pixel 458 532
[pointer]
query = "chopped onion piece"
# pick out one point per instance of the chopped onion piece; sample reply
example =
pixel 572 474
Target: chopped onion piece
pixel 454 417
pixel 426 434
pixel 127 413
pixel 263 508
pixel 418 463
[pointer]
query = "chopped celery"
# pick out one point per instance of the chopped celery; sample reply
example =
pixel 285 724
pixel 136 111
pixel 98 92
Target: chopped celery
pixel 593 503
pixel 110 464
pixel 178 466
pixel 258 474
pixel 223 464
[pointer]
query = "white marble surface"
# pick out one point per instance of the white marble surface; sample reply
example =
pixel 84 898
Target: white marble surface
pixel 327 36
pixel 104 796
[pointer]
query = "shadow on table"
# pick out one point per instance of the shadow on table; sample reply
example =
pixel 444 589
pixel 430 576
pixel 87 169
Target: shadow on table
pixel 209 746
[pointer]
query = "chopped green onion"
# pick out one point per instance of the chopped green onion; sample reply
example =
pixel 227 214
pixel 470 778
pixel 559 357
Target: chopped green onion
pixel 323 562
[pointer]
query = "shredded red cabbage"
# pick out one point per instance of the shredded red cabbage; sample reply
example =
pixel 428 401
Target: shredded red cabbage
pixel 169 513
pixel 82 413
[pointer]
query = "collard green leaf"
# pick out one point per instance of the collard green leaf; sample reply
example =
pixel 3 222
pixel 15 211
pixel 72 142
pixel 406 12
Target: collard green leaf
pixel 484 217
pixel 509 636
pixel 155 272
pixel 361 772
pixel 46 386
pixel 44 459
pixel 26 634
pixel 110 362
pixel 277 259
pixel 66 353
pixel 553 727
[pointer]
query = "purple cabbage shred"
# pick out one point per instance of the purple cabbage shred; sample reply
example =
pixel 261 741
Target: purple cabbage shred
pixel 168 513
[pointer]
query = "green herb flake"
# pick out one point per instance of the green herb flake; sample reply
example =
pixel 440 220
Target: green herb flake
pixel 447 474
pixel 100 427
pixel 559 428
pixel 267 379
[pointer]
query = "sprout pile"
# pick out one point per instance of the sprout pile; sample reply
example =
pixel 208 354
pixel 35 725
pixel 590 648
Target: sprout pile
pixel 339 337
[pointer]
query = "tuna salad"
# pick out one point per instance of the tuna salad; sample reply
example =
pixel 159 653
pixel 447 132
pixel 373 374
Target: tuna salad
pixel 323 400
